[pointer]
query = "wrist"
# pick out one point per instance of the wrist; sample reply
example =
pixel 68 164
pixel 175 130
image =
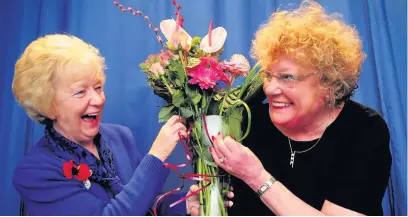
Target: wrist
pixel 158 155
pixel 258 181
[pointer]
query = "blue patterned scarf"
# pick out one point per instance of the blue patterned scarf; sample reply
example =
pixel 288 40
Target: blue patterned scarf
pixel 103 170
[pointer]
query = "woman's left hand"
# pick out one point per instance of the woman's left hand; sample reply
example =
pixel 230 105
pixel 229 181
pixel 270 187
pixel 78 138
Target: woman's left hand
pixel 193 203
pixel 236 159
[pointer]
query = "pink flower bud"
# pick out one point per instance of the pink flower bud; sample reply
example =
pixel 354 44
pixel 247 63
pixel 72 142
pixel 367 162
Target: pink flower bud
pixel 159 39
pixel 179 7
pixel 121 6
pixel 134 13
pixel 174 2
pixel 176 13
pixel 123 10
pixel 150 25
pixel 156 69
pixel 156 29
pixel 116 3
pixel 139 12
pixel 130 9
pixel 146 17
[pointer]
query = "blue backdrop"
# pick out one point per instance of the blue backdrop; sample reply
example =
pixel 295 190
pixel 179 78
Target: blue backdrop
pixel 125 41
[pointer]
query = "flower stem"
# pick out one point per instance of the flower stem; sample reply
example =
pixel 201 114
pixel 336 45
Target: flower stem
pixel 223 100
pixel 180 52
pixel 163 79
pixel 248 78
pixel 201 195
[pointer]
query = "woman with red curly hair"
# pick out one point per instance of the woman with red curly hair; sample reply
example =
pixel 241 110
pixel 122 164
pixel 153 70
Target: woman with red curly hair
pixel 312 150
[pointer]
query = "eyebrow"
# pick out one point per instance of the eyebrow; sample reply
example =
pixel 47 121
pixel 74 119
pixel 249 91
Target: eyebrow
pixel 80 84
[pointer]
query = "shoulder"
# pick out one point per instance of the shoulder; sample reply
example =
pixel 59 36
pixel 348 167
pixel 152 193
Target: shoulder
pixel 38 171
pixel 114 130
pixel 116 133
pixel 366 127
pixel 39 158
pixel 365 118
pixel 122 143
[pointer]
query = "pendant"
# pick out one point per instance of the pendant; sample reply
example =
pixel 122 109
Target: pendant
pixel 87 184
pixel 292 159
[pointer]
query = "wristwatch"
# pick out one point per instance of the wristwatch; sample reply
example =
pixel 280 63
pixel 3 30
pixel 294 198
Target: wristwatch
pixel 265 186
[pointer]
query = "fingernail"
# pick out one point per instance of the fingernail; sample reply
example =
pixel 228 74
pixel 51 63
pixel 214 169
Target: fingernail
pixel 231 136
pixel 212 138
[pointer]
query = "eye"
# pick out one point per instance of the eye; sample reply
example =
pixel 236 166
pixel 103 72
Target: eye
pixel 288 77
pixel 79 93
pixel 98 89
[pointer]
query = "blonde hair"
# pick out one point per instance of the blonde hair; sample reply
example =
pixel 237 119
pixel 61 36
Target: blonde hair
pixel 311 36
pixel 45 59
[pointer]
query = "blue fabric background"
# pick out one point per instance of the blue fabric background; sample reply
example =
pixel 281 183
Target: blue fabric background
pixel 125 41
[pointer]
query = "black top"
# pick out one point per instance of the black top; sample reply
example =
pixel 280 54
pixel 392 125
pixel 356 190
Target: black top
pixel 350 166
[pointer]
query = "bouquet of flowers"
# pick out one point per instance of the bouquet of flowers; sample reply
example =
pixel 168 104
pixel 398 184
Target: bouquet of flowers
pixel 197 85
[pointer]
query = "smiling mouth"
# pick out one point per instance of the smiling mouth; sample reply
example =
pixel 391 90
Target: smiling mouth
pixel 89 117
pixel 281 104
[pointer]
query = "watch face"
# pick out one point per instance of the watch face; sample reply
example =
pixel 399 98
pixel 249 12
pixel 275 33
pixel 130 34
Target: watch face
pixel 265 186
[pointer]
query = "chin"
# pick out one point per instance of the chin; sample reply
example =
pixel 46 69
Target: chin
pixel 280 122
pixel 91 133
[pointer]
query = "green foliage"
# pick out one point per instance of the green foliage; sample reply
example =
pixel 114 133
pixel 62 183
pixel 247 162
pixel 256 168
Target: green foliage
pixel 178 98
pixel 186 112
pixel 193 94
pixel 165 113
pixel 233 122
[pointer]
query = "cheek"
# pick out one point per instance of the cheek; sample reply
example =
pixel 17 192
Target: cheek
pixel 264 88
pixel 103 97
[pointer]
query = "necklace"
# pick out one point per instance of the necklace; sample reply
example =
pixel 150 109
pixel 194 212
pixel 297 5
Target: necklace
pixel 293 153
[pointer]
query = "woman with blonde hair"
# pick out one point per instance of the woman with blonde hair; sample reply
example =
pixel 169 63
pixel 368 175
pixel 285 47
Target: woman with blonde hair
pixel 312 150
pixel 82 166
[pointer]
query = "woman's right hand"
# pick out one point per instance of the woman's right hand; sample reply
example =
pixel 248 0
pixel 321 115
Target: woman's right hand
pixel 168 137
pixel 237 160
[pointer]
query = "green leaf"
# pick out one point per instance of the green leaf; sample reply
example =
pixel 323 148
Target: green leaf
pixel 207 158
pixel 198 125
pixel 165 113
pixel 196 99
pixel 174 65
pixel 178 82
pixel 178 98
pixel 193 95
pixel 234 121
pixel 181 75
pixel 186 112
pixel 193 62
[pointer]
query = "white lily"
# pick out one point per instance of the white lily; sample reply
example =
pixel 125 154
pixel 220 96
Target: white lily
pixel 175 34
pixel 214 40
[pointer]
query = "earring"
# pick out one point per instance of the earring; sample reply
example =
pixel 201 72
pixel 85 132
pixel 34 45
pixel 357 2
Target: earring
pixel 327 98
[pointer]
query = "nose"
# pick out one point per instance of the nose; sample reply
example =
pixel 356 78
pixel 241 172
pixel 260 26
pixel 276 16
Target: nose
pixel 272 87
pixel 97 99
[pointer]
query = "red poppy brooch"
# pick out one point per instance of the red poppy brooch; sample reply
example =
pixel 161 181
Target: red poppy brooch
pixel 81 172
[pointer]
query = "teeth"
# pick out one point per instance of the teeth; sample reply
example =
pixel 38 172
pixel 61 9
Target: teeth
pixel 281 104
pixel 89 115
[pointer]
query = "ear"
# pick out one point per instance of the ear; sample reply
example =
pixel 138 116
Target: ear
pixel 329 97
